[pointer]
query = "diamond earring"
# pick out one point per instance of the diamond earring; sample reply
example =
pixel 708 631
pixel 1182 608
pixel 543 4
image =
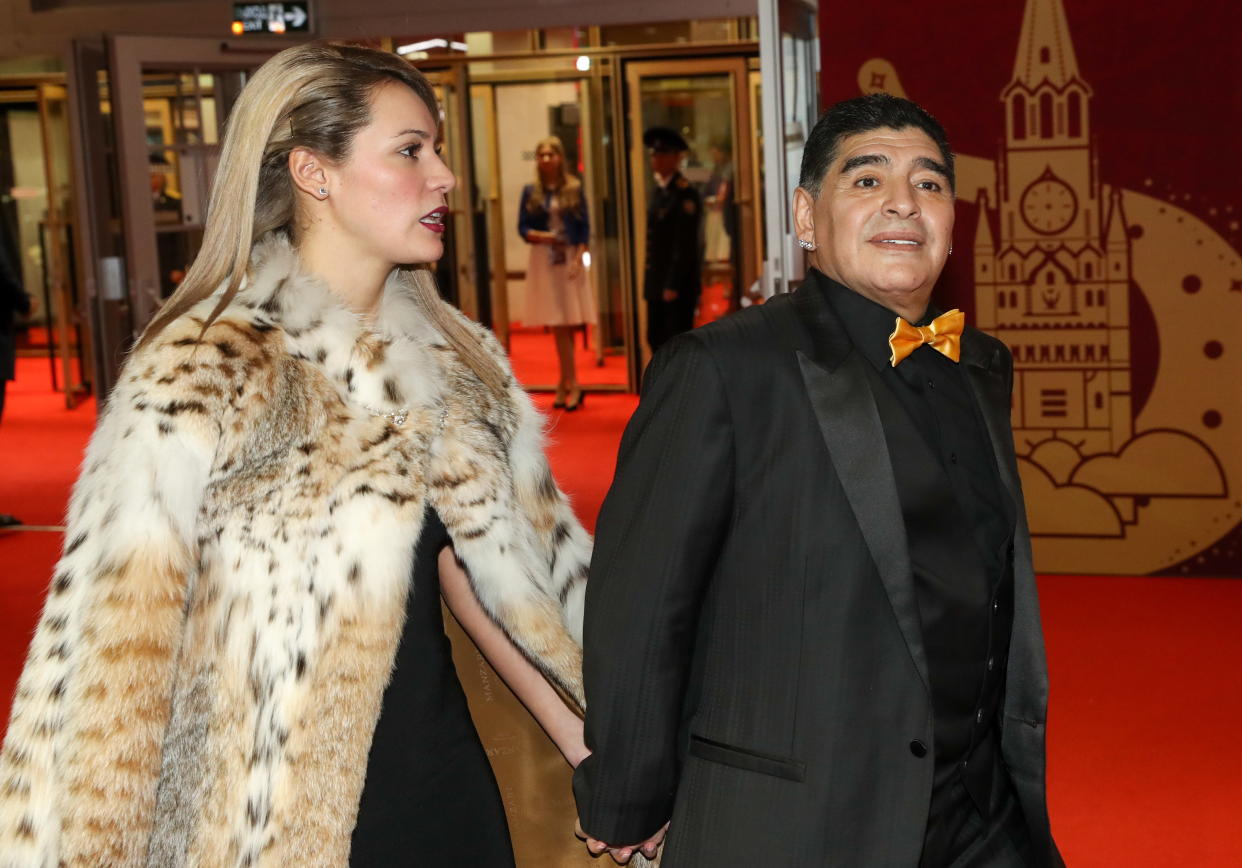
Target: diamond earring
pixel 806 245
pixel 323 192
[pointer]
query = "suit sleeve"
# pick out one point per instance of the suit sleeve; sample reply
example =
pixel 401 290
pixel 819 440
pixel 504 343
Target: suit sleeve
pixel 525 218
pixel 657 541
pixel 578 222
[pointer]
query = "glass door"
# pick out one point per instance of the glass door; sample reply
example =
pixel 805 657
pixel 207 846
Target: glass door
pixel 36 225
pixel 512 111
pixel 169 100
pixel 56 230
pixel 708 102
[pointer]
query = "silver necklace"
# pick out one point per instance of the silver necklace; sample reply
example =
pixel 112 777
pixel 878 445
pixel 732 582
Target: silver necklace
pixel 396 417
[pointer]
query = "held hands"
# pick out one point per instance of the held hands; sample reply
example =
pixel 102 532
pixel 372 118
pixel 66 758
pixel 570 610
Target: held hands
pixel 622 855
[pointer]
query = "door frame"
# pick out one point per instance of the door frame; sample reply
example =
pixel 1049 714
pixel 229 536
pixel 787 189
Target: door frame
pixel 737 68
pixel 487 140
pixel 56 230
pixel 129 58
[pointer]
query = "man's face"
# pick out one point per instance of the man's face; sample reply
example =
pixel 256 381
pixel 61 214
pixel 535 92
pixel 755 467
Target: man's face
pixel 883 221
pixel 665 163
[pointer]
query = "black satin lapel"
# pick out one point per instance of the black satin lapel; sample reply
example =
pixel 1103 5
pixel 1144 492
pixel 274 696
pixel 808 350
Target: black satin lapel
pixel 850 424
pixel 830 345
pixel 988 384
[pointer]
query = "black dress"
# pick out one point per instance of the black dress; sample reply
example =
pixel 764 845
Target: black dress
pixel 430 797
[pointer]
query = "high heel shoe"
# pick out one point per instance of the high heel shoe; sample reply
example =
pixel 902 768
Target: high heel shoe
pixel 570 406
pixel 559 401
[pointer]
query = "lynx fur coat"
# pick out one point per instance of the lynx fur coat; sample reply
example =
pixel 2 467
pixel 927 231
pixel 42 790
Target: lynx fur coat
pixel 206 677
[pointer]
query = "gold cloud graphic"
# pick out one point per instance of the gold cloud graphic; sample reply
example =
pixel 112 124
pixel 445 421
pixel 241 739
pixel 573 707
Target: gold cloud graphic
pixel 1065 510
pixel 1158 463
pixel 1057 458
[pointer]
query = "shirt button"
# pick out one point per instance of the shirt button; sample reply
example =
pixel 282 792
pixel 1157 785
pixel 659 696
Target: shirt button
pixel 953 457
pixel 995 605
pixel 931 384
pixel 918 748
pixel 991 663
pixel 979 716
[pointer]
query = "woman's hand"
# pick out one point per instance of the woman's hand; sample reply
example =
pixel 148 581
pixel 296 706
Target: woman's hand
pixel 540 236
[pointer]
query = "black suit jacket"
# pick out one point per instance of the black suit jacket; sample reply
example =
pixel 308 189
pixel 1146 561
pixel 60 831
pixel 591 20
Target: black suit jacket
pixel 752 553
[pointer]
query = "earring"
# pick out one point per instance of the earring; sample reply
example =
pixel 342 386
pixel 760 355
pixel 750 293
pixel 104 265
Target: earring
pixel 323 192
pixel 950 249
pixel 806 245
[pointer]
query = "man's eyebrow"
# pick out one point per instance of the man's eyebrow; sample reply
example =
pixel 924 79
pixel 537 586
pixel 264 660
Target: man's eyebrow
pixel 863 160
pixel 932 166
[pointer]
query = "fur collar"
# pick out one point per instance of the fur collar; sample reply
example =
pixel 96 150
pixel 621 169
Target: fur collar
pixel 384 367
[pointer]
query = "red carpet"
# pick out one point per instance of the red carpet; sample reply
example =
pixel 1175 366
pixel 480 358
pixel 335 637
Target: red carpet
pixel 534 359
pixel 533 355
pixel 1143 767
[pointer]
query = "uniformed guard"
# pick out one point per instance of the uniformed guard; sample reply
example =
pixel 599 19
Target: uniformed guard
pixel 671 280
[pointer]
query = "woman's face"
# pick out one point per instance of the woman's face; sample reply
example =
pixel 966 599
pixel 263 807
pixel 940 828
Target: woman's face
pixel 388 200
pixel 549 163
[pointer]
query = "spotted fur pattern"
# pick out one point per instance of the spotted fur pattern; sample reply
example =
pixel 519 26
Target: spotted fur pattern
pixel 205 679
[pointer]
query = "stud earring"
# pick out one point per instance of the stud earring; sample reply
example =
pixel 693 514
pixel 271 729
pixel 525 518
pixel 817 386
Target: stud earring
pixel 950 249
pixel 806 245
pixel 323 192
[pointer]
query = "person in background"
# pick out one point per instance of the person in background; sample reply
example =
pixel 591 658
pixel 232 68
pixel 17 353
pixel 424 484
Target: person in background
pixel 816 544
pixel 171 247
pixel 242 658
pixel 552 219
pixel 672 274
pixel 13 302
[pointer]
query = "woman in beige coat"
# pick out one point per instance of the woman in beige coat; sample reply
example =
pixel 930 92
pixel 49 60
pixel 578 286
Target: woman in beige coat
pixel 301 450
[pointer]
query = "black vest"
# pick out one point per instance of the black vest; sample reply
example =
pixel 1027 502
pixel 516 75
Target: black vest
pixel 963 581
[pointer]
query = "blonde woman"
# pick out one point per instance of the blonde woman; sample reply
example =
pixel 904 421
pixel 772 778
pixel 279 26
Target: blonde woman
pixel 552 218
pixel 241 660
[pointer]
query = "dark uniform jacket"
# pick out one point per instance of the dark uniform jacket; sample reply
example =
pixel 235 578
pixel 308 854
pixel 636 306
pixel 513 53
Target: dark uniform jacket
pixel 674 255
pixel 775 700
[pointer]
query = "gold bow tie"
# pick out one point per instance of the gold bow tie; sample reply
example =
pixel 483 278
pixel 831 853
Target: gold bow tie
pixel 944 335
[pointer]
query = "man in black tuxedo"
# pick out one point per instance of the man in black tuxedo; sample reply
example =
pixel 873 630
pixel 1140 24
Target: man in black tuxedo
pixel 672 274
pixel 816 551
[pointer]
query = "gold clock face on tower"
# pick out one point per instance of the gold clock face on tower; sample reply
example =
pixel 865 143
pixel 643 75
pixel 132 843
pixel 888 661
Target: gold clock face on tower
pixel 1049 205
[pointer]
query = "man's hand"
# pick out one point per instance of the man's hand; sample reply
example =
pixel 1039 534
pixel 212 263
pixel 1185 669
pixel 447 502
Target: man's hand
pixel 621 855
pixel 670 295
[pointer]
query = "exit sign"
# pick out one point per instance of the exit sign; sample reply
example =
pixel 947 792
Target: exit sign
pixel 290 16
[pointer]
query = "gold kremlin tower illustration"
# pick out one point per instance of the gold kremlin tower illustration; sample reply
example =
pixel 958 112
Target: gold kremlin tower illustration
pixel 1052 260
pixel 1119 476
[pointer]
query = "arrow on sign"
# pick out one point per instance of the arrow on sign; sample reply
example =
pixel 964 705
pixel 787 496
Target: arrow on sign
pixel 295 17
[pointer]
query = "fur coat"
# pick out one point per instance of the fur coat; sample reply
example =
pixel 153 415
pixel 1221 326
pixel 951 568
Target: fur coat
pixel 206 677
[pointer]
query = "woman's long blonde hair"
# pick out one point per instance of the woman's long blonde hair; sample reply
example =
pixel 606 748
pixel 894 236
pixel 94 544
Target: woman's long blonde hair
pixel 569 187
pixel 315 96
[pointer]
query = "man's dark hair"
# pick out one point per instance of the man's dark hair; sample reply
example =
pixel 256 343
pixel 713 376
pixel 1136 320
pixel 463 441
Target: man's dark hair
pixel 861 115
